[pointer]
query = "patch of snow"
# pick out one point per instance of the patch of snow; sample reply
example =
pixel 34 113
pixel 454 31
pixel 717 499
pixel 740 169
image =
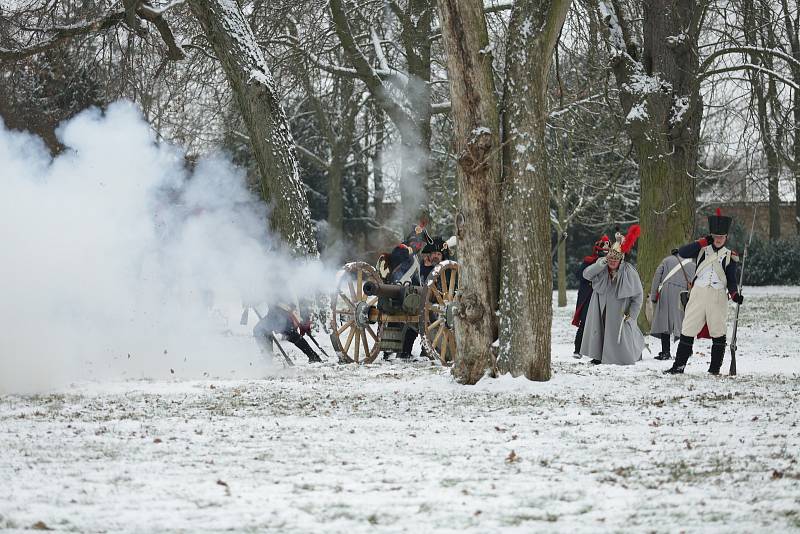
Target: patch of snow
pixel 638 112
pixel 400 446
pixel 679 108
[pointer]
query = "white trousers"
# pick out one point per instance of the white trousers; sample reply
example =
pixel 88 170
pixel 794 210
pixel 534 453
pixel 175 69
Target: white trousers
pixel 706 306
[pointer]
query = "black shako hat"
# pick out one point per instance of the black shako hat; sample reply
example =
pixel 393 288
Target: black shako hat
pixel 719 224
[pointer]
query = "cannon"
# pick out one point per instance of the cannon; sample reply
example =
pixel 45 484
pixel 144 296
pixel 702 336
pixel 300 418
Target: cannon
pixel 369 315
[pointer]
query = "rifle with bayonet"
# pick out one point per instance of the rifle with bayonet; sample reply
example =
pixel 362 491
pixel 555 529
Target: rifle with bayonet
pixel 732 369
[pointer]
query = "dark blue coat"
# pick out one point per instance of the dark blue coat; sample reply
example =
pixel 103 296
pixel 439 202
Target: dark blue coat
pixel 584 293
pixel 692 250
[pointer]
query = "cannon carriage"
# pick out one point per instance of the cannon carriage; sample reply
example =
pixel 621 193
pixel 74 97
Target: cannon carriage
pixel 369 316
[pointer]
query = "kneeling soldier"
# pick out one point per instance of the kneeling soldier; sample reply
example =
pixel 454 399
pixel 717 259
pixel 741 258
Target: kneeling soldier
pixel 714 280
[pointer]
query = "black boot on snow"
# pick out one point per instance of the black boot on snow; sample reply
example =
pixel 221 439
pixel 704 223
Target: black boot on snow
pixel 681 356
pixel 717 354
pixel 663 356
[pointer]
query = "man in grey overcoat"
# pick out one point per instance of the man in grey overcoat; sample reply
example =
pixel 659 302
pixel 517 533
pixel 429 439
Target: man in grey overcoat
pixel 672 276
pixel 611 334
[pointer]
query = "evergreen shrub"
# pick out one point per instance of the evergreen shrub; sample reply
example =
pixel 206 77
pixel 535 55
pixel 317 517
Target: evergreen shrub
pixel 772 262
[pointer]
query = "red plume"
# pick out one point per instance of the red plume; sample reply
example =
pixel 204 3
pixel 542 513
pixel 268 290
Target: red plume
pixel 604 238
pixel 630 239
pixel 719 212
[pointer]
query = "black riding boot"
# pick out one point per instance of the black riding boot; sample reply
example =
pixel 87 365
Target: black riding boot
pixel 409 335
pixel 681 355
pixel 717 354
pixel 578 340
pixel 664 354
pixel 303 345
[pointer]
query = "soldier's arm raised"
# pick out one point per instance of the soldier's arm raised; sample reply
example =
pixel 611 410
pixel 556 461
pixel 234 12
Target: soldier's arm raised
pixel 594 269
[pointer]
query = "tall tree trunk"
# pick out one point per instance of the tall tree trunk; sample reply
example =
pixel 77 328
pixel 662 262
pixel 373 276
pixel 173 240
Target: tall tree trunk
pixel 562 270
pixel 477 140
pixel 526 271
pixel 377 165
pixel 335 199
pixel 273 147
pixel 412 115
pixel 773 181
pixel 659 94
pixel 796 147
pixel 793 37
pixel 754 23
pixel 416 136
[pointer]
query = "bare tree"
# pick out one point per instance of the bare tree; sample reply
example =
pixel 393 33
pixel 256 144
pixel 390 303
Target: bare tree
pixel 401 90
pixel 235 47
pixel 526 272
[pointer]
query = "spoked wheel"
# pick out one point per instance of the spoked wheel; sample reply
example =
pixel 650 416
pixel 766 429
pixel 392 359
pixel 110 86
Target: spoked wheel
pixel 353 337
pixel 438 313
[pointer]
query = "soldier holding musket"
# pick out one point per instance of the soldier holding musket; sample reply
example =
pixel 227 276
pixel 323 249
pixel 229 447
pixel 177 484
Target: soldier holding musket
pixel 714 281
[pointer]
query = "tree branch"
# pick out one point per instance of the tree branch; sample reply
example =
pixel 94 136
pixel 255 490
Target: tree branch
pixel 365 71
pixel 794 63
pixel 750 66
pixel 64 33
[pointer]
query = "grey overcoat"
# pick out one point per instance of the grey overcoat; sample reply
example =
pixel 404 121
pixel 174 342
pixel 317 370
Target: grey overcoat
pixel 667 311
pixel 605 322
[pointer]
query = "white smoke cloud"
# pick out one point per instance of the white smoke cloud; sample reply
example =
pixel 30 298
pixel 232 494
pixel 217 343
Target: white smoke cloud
pixel 116 261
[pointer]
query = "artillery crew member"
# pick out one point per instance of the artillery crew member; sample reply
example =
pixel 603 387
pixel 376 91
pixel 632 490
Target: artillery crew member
pixel 611 334
pixel 432 254
pixel 599 250
pixel 670 279
pixel 285 320
pixel 714 281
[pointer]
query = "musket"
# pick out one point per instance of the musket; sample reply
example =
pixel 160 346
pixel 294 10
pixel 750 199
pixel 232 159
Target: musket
pixel 271 336
pixel 317 344
pixel 285 356
pixel 732 370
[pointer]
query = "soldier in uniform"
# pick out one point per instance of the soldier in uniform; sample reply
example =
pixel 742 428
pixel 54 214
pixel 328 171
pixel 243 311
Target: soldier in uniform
pixel 670 279
pixel 599 250
pixel 714 282
pixel 432 254
pixel 612 335
pixel 285 320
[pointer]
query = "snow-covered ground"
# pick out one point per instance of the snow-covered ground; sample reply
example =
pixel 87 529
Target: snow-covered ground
pixel 400 447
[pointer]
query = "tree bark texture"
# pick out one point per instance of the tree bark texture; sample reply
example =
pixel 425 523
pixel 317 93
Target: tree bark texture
pixel 526 271
pixel 273 146
pixel 758 33
pixel 476 123
pixel 659 94
pixel 561 256
pixel 793 36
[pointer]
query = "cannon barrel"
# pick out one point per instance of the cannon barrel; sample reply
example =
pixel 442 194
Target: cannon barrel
pixel 377 289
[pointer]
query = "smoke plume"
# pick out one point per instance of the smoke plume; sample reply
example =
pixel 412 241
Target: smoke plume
pixel 118 262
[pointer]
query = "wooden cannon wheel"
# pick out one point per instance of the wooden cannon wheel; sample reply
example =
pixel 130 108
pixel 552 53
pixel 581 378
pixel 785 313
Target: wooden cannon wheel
pixel 353 338
pixel 436 325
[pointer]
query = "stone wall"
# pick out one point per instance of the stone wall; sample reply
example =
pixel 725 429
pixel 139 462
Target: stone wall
pixel 742 213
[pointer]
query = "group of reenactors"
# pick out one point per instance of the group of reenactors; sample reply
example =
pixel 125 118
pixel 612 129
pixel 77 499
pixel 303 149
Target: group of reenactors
pixel 688 298
pixel 411 261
